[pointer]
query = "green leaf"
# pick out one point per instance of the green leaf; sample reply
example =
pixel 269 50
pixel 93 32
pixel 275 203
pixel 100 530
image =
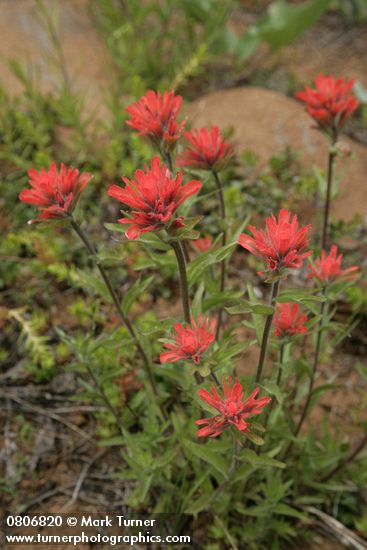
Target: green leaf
pixel 225 251
pixel 208 455
pixel 256 439
pixel 285 22
pixel 196 306
pixel 286 510
pixel 300 295
pixel 360 92
pixel 116 441
pixel 242 473
pixel 196 268
pixel 200 504
pixel 115 227
pixel 257 319
pixel 134 292
pixel 261 461
pixel 248 307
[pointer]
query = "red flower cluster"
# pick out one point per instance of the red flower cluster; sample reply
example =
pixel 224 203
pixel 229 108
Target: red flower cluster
pixel 281 245
pixel 190 342
pixel 155 116
pixel 208 151
pixel 203 244
pixel 233 409
pixel 288 320
pixel 328 267
pixel 55 193
pixel 330 103
pixel 154 198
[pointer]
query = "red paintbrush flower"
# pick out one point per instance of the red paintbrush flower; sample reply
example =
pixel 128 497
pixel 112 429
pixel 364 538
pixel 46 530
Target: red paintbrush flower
pixel 233 409
pixel 331 102
pixel 281 245
pixel 154 197
pixel 328 267
pixel 54 193
pixel 155 116
pixel 203 244
pixel 288 320
pixel 190 342
pixel 207 151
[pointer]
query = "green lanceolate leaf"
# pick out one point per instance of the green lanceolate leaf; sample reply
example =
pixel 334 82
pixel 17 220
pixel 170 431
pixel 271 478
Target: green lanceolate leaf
pixel 134 293
pixel 208 455
pixel 261 461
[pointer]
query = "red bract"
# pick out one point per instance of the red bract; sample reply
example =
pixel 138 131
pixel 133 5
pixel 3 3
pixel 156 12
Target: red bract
pixel 190 342
pixel 203 244
pixel 233 409
pixel 330 103
pixel 154 198
pixel 54 193
pixel 208 151
pixel 288 320
pixel 328 267
pixel 281 245
pixel 155 116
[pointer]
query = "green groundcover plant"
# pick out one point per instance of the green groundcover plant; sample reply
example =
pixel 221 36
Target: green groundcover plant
pixel 197 435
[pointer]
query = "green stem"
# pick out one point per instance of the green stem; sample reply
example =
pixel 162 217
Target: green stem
pixel 224 241
pixel 278 381
pixel 232 468
pixel 184 288
pixel 330 176
pixel 106 400
pixel 126 321
pixel 267 327
pixel 314 370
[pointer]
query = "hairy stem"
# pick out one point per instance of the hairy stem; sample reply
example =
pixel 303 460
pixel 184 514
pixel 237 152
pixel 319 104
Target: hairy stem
pixel 224 241
pixel 278 381
pixel 184 288
pixel 125 320
pixel 330 177
pixel 314 369
pixel 266 333
pixel 105 399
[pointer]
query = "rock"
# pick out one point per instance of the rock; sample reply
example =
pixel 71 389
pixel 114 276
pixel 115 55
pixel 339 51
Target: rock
pixel 266 121
pixel 25 38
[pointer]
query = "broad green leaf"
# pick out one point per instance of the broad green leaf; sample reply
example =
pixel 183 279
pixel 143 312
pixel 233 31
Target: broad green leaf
pixel 115 227
pixel 248 307
pixel 256 439
pixel 285 22
pixel 225 251
pixel 137 289
pixel 286 510
pixel 261 461
pixel 116 441
pixel 196 268
pixel 257 319
pixel 208 455
pixel 242 473
pixel 360 92
pixel 221 298
pixel 196 306
pixel 200 504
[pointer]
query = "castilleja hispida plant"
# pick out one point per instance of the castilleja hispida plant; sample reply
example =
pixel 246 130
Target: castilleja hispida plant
pixel 204 425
